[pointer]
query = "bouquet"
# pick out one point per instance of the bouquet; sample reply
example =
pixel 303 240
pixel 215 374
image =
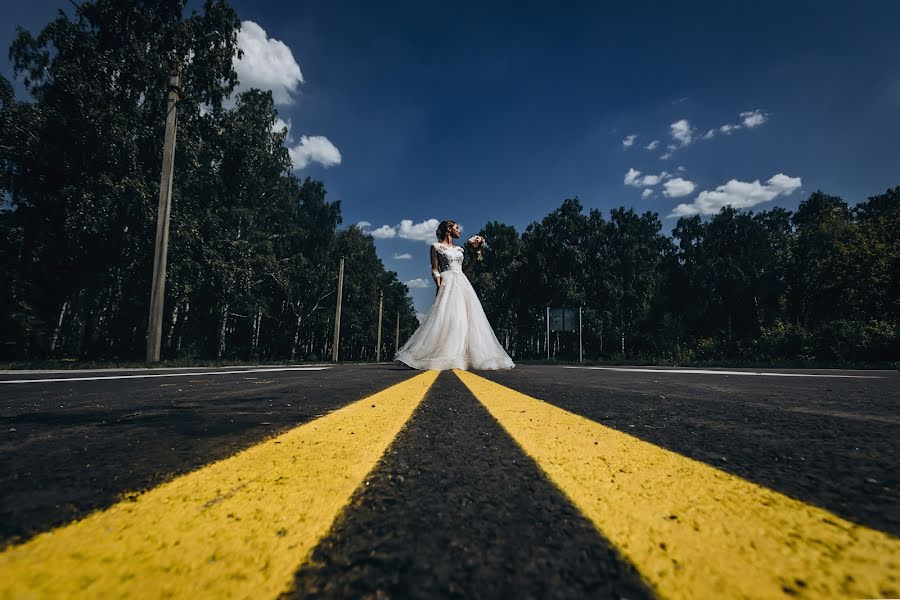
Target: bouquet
pixel 475 245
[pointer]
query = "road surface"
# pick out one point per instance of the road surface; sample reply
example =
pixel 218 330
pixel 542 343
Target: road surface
pixel 352 481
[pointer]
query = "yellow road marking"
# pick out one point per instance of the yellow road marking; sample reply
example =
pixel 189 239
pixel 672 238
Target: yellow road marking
pixel 240 527
pixel 691 530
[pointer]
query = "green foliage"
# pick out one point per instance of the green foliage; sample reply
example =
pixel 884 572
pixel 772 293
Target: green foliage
pixel 253 251
pixel 816 287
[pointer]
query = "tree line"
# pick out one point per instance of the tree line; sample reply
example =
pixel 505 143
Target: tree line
pixel 819 285
pixel 253 249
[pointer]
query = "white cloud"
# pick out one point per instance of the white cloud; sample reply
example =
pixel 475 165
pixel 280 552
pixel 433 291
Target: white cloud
pixel 383 233
pixel 727 129
pixel 404 256
pixel 738 194
pixel 753 118
pixel 652 145
pixel 631 177
pixel 665 156
pixel 681 169
pixel 267 64
pixel 682 132
pixel 784 184
pixel 418 284
pixel 280 125
pixel 646 193
pixel 629 141
pixel 423 231
pixel 634 179
pixel 678 187
pixel 314 148
pixel 407 230
pixel 749 120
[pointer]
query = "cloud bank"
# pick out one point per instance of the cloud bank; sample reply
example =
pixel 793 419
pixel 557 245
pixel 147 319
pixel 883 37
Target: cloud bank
pixel 738 194
pixel 407 230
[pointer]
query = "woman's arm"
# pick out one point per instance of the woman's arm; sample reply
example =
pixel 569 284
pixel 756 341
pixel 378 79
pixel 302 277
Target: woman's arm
pixel 472 256
pixel 435 272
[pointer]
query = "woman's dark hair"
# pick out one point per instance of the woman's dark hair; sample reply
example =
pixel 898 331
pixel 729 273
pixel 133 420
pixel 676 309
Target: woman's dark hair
pixel 443 228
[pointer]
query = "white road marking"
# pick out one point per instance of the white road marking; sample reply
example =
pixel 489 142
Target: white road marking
pixel 147 369
pixel 165 375
pixel 708 372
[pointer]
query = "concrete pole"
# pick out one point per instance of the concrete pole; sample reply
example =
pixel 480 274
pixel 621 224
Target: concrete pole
pixel 378 343
pixel 158 290
pixel 397 335
pixel 337 313
pixel 548 333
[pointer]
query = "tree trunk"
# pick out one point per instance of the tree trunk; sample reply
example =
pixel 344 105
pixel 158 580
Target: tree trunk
pixel 59 323
pixel 173 325
pixel 187 313
pixel 296 337
pixel 254 340
pixel 222 331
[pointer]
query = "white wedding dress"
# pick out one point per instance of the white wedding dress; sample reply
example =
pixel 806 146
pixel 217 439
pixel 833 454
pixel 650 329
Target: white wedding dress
pixel 456 333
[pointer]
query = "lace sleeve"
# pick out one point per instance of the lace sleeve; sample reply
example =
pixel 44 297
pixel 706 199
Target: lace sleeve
pixel 435 268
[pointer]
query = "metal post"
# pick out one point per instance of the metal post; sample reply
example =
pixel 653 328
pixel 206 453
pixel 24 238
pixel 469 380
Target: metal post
pixel 337 313
pixel 548 333
pixel 397 335
pixel 580 348
pixel 158 289
pixel 378 343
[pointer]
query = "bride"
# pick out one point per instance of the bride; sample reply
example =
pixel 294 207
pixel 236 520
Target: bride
pixel 456 333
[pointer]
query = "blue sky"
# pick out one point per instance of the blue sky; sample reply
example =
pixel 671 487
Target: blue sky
pixel 418 110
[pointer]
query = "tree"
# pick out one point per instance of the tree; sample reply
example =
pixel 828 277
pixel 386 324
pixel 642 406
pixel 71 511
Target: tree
pixel 498 283
pixel 253 266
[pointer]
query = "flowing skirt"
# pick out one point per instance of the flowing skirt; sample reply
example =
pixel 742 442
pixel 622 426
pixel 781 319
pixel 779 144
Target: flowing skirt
pixel 456 333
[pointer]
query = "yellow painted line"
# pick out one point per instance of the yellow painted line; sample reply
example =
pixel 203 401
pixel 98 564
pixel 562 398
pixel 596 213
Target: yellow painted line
pixel 240 527
pixel 692 530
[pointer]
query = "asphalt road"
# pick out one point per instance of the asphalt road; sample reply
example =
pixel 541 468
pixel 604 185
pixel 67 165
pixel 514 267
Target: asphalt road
pixel 455 507
pixel 829 441
pixel 71 447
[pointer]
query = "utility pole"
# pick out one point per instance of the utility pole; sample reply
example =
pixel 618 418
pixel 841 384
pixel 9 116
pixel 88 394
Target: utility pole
pixel 548 332
pixel 397 335
pixel 337 313
pixel 378 343
pixel 158 290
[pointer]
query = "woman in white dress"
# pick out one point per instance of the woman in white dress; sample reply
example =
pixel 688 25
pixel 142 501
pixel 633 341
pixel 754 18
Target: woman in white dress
pixel 456 333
